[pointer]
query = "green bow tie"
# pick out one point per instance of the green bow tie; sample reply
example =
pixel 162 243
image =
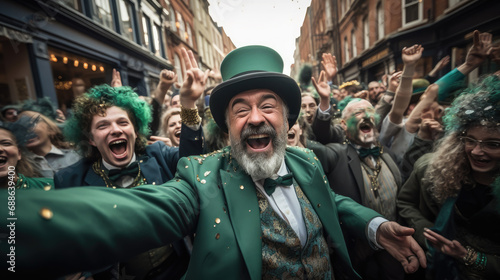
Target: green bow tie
pixel 131 170
pixel 364 152
pixel 271 184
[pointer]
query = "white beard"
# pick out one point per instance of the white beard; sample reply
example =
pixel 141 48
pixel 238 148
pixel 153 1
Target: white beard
pixel 261 165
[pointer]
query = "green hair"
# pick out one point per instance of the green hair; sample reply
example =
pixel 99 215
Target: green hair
pixel 95 102
pixel 479 104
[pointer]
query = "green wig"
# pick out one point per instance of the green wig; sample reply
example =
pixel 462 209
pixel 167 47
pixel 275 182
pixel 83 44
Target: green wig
pixel 479 104
pixel 95 102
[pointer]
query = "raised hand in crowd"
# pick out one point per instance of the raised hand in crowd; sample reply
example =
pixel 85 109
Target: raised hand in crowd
pixel 439 66
pixel 194 82
pixel 393 84
pixel 323 90
pixel 167 79
pixel 363 94
pixel 494 54
pixel 60 118
pixel 394 81
pixel 424 106
pixel 329 63
pixel 410 56
pixel 116 80
pixel 478 53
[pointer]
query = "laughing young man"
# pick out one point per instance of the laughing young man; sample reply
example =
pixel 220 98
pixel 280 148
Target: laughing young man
pixel 260 209
pixel 109 126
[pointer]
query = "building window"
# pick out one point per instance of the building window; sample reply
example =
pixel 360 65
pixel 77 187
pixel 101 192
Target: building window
pixel 173 25
pixel 102 13
pixel 346 49
pixel 178 68
pixel 75 4
pixel 145 31
pixel 412 11
pixel 157 40
pixel 127 29
pixel 380 21
pixel 189 37
pixel 366 33
pixel 182 28
pixel 353 44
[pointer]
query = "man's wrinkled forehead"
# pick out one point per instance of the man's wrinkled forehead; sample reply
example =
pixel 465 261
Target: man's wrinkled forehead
pixel 358 106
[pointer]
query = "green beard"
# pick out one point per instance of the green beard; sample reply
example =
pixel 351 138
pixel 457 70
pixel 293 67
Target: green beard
pixel 352 126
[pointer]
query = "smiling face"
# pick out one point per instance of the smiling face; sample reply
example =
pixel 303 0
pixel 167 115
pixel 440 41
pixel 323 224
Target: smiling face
pixel 114 135
pixel 361 119
pixel 484 164
pixel 174 125
pixel 257 131
pixel 309 107
pixel 294 135
pixel 9 153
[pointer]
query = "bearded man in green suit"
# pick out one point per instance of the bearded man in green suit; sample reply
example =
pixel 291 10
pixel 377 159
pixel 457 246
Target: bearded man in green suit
pixel 258 209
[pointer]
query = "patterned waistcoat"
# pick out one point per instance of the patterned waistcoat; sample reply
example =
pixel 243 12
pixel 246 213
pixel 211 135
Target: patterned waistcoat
pixel 283 257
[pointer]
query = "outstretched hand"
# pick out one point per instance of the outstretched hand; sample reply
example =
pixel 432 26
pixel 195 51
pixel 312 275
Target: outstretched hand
pixel 398 242
pixel 479 50
pixel 194 82
pixel 329 63
pixel 323 90
pixel 452 248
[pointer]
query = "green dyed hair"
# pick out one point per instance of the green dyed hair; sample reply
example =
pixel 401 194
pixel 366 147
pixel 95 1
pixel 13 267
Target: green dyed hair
pixel 95 102
pixel 478 104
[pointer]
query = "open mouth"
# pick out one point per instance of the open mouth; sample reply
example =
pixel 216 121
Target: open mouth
pixel 118 147
pixel 3 161
pixel 365 127
pixel 480 162
pixel 258 141
pixel 177 134
pixel 291 135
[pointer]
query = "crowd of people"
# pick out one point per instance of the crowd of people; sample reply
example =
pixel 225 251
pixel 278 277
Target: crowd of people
pixel 260 178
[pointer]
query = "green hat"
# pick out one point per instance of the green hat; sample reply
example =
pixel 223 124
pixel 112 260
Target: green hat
pixel 419 87
pixel 253 67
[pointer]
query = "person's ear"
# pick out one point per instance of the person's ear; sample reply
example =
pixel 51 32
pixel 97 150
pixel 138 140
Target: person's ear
pixel 343 124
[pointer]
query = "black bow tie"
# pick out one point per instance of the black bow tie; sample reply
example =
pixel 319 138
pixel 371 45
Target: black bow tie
pixel 364 152
pixel 271 184
pixel 131 170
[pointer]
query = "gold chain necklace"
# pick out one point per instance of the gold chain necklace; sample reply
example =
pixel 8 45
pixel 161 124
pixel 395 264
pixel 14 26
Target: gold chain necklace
pixel 375 186
pixel 96 166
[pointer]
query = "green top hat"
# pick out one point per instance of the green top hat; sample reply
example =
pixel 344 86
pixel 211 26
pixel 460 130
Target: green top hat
pixel 253 67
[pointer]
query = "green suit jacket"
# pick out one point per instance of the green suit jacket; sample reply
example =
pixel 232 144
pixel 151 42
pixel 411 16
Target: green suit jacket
pixel 210 196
